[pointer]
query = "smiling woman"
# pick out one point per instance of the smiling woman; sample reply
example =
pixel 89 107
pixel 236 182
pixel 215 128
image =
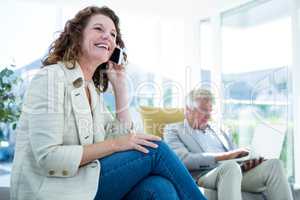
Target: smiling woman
pixel 99 39
pixel 68 145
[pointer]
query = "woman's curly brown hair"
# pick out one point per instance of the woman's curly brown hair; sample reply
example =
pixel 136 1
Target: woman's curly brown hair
pixel 67 47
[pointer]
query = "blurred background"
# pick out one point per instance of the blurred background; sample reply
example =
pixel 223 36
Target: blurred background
pixel 245 51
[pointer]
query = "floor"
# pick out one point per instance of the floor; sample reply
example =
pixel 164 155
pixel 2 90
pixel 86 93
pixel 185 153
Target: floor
pixel 5 169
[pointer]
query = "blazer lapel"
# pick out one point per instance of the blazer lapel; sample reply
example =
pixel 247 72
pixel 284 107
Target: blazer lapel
pixel 82 115
pixel 220 136
pixel 98 120
pixel 80 104
pixel 189 133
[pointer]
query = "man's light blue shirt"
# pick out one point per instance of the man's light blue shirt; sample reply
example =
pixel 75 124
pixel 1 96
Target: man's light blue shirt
pixel 208 139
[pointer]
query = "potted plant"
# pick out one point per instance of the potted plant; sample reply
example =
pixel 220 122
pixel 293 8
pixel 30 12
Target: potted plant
pixel 10 109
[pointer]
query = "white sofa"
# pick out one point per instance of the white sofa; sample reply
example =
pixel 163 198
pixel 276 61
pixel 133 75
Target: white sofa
pixel 212 195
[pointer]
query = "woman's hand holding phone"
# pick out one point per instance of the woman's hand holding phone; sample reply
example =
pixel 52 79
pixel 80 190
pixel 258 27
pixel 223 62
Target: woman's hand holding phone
pixel 116 68
pixel 116 74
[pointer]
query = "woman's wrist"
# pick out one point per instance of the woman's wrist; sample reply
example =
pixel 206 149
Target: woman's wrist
pixel 120 89
pixel 119 85
pixel 112 143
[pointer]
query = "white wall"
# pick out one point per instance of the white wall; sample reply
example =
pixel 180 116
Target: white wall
pixel 295 7
pixel 192 8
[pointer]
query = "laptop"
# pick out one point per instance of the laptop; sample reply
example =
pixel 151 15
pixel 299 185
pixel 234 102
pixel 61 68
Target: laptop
pixel 267 142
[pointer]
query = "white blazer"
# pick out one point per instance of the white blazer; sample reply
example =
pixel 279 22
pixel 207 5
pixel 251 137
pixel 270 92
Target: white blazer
pixel 56 122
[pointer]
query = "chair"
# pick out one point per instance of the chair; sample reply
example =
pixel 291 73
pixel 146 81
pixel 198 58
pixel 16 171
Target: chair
pixel 154 120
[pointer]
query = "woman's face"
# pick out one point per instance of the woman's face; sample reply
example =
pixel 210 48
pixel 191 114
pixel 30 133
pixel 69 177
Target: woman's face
pixel 99 39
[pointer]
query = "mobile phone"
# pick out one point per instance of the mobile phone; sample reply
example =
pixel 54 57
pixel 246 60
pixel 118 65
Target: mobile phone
pixel 117 56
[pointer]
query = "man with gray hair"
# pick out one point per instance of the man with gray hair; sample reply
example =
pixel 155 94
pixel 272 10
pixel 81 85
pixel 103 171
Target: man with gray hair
pixel 201 147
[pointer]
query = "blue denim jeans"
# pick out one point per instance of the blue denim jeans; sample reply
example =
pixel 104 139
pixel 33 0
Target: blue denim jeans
pixel 158 175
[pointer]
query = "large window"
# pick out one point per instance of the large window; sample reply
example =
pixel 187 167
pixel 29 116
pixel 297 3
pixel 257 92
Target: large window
pixel 206 50
pixel 256 77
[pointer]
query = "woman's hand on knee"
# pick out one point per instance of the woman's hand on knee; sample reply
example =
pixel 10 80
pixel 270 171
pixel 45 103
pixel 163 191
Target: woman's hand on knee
pixel 134 141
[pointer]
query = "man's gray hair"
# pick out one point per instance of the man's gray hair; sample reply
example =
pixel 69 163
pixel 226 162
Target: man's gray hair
pixel 198 94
